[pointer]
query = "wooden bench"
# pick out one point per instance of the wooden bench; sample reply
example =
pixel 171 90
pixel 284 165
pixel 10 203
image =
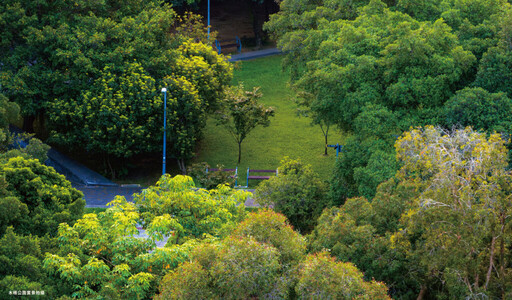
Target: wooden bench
pixel 226 170
pixel 228 44
pixel 259 177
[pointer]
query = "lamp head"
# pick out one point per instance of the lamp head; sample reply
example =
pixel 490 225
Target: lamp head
pixel 164 90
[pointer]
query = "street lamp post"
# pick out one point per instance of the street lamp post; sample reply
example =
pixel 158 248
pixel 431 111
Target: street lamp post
pixel 164 90
pixel 208 20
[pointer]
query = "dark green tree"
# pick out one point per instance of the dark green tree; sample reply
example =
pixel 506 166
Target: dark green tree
pixel 9 112
pixel 396 64
pixel 480 109
pixel 494 73
pixel 118 116
pixel 54 56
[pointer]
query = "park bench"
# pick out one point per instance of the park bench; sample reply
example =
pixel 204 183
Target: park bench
pixel 222 44
pixel 259 177
pixel 226 170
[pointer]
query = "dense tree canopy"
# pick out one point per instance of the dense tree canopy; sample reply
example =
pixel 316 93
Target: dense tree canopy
pixel 440 228
pixel 480 109
pixel 68 65
pixel 264 257
pixel 396 62
pixel 36 199
pixel 191 213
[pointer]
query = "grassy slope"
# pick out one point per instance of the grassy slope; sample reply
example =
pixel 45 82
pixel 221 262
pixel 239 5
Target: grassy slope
pixel 287 135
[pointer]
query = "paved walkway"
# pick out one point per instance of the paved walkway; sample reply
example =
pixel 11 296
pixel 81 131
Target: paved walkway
pixel 99 196
pixel 254 54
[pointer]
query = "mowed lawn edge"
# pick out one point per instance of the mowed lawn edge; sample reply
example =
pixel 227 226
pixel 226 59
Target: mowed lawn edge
pixel 288 134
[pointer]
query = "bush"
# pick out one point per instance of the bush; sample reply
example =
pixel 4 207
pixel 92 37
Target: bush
pixel 296 192
pixel 211 179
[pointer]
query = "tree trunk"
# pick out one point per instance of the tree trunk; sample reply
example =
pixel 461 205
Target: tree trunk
pixel 112 171
pixel 28 123
pixel 239 152
pixel 422 293
pixel 258 18
pixel 325 153
pixel 502 256
pixel 491 262
pixel 182 166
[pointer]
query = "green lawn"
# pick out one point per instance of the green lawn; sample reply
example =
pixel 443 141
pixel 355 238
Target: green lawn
pixel 287 135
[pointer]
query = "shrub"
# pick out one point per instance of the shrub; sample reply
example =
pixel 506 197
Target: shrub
pixel 296 192
pixel 211 179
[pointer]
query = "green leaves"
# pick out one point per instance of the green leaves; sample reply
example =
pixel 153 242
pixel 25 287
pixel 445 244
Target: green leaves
pixel 320 276
pixel 96 68
pixel 241 113
pixel 47 195
pixel 457 218
pixel 116 116
pixel 296 192
pixel 175 208
pixel 100 257
pixel 163 225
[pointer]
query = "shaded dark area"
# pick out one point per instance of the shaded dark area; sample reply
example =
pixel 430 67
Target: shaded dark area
pixel 245 18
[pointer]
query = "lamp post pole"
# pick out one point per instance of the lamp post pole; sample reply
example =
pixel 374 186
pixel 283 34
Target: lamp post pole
pixel 208 20
pixel 164 90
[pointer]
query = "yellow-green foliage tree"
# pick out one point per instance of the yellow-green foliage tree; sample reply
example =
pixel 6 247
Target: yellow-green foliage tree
pixel 198 212
pixel 458 229
pixel 265 258
pixel 99 256
pixel 440 227
pixel 322 277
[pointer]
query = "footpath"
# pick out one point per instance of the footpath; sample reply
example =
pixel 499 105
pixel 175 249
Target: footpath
pixel 254 54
